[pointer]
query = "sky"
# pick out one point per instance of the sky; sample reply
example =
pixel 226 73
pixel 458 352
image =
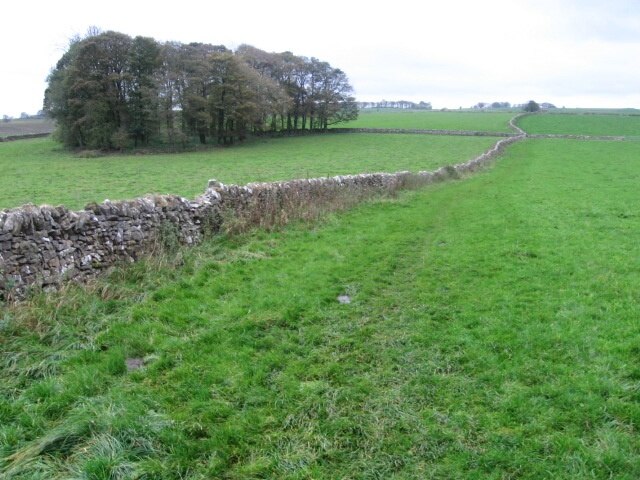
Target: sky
pixel 456 53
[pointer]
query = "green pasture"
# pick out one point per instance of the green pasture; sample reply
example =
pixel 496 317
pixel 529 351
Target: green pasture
pixel 432 120
pixel 492 333
pixel 582 124
pixel 603 111
pixel 40 171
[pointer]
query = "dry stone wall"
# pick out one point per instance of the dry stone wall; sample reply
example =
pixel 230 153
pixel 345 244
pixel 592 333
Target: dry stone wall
pixel 412 131
pixel 43 247
pixel 514 125
pixel 607 138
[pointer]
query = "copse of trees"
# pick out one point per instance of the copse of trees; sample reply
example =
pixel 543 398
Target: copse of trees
pixel 111 91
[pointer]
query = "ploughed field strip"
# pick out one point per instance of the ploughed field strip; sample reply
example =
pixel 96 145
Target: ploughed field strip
pixel 25 127
pixel 490 332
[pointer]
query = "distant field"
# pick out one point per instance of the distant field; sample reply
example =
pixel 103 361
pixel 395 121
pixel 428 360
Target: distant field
pixel 430 120
pixel 40 171
pixel 25 127
pixel 604 111
pixel 582 124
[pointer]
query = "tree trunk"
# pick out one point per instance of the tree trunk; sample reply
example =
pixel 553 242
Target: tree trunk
pixel 220 125
pixel 230 127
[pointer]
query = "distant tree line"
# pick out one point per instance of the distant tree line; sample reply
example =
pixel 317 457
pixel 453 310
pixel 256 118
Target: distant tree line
pixel 530 106
pixel 400 104
pixel 111 91
pixel 492 106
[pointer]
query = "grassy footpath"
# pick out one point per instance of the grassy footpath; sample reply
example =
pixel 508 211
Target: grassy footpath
pixel 40 171
pixel 492 333
pixel 473 121
pixel 613 125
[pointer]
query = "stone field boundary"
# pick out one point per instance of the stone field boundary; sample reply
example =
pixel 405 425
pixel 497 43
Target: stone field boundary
pixel 45 247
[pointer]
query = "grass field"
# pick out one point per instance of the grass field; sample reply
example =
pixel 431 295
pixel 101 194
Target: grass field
pixel 615 125
pixel 40 171
pixel 25 127
pixel 430 120
pixel 492 333
pixel 602 111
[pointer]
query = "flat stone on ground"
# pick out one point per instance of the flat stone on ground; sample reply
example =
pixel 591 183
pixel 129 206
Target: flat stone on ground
pixel 134 364
pixel 344 299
